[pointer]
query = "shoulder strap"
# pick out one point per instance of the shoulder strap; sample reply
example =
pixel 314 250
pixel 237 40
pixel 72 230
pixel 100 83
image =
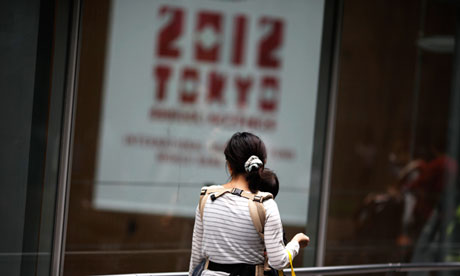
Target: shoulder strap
pixel 206 191
pixel 257 211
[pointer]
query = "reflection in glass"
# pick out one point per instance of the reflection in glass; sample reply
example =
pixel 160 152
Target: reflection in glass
pixel 395 164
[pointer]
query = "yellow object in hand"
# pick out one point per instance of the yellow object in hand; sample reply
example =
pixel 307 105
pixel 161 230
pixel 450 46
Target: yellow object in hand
pixel 290 261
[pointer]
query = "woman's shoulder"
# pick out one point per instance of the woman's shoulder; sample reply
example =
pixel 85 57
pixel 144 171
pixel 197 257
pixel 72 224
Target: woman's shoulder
pixel 271 208
pixel 212 187
pixel 270 203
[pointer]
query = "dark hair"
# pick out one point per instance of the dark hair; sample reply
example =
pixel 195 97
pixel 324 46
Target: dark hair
pixel 240 147
pixel 269 182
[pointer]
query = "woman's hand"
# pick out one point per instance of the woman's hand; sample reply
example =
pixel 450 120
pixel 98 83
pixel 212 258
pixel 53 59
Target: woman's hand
pixel 302 239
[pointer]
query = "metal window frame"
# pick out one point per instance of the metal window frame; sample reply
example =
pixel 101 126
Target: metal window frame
pixel 68 14
pixel 324 133
pixel 344 270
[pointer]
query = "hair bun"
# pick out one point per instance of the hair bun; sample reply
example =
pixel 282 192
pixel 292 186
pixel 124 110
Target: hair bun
pixel 252 162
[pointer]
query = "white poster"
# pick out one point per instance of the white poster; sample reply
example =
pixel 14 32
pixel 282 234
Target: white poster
pixel 183 76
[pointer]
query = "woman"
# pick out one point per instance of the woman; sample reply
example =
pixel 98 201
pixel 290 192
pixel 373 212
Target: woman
pixel 226 235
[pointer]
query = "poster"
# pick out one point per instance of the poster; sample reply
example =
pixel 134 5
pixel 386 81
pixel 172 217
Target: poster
pixel 182 76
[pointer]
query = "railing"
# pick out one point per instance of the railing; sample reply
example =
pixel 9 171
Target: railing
pixel 345 270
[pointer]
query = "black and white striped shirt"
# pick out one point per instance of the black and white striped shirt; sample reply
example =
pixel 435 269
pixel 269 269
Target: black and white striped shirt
pixel 227 235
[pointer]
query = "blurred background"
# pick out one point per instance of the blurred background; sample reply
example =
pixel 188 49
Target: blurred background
pixel 116 113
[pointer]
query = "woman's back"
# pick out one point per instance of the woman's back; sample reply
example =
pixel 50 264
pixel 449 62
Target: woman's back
pixel 229 235
pixel 226 234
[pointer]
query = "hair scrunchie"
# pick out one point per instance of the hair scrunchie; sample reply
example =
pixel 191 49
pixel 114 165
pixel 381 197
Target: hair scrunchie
pixel 253 162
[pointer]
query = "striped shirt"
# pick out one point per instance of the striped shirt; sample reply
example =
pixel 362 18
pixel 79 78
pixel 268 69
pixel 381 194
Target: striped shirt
pixel 227 235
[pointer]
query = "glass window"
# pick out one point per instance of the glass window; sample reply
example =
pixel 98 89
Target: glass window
pixel 162 85
pixel 394 187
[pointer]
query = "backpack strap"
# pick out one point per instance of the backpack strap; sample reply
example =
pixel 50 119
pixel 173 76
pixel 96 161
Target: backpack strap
pixel 205 192
pixel 255 203
pixel 257 211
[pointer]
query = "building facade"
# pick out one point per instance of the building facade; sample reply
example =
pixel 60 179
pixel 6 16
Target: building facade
pixel 115 113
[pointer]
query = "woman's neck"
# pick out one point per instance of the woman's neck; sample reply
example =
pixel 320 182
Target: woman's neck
pixel 238 181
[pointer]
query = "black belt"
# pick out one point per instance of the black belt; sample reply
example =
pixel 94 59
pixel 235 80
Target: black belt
pixel 233 269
